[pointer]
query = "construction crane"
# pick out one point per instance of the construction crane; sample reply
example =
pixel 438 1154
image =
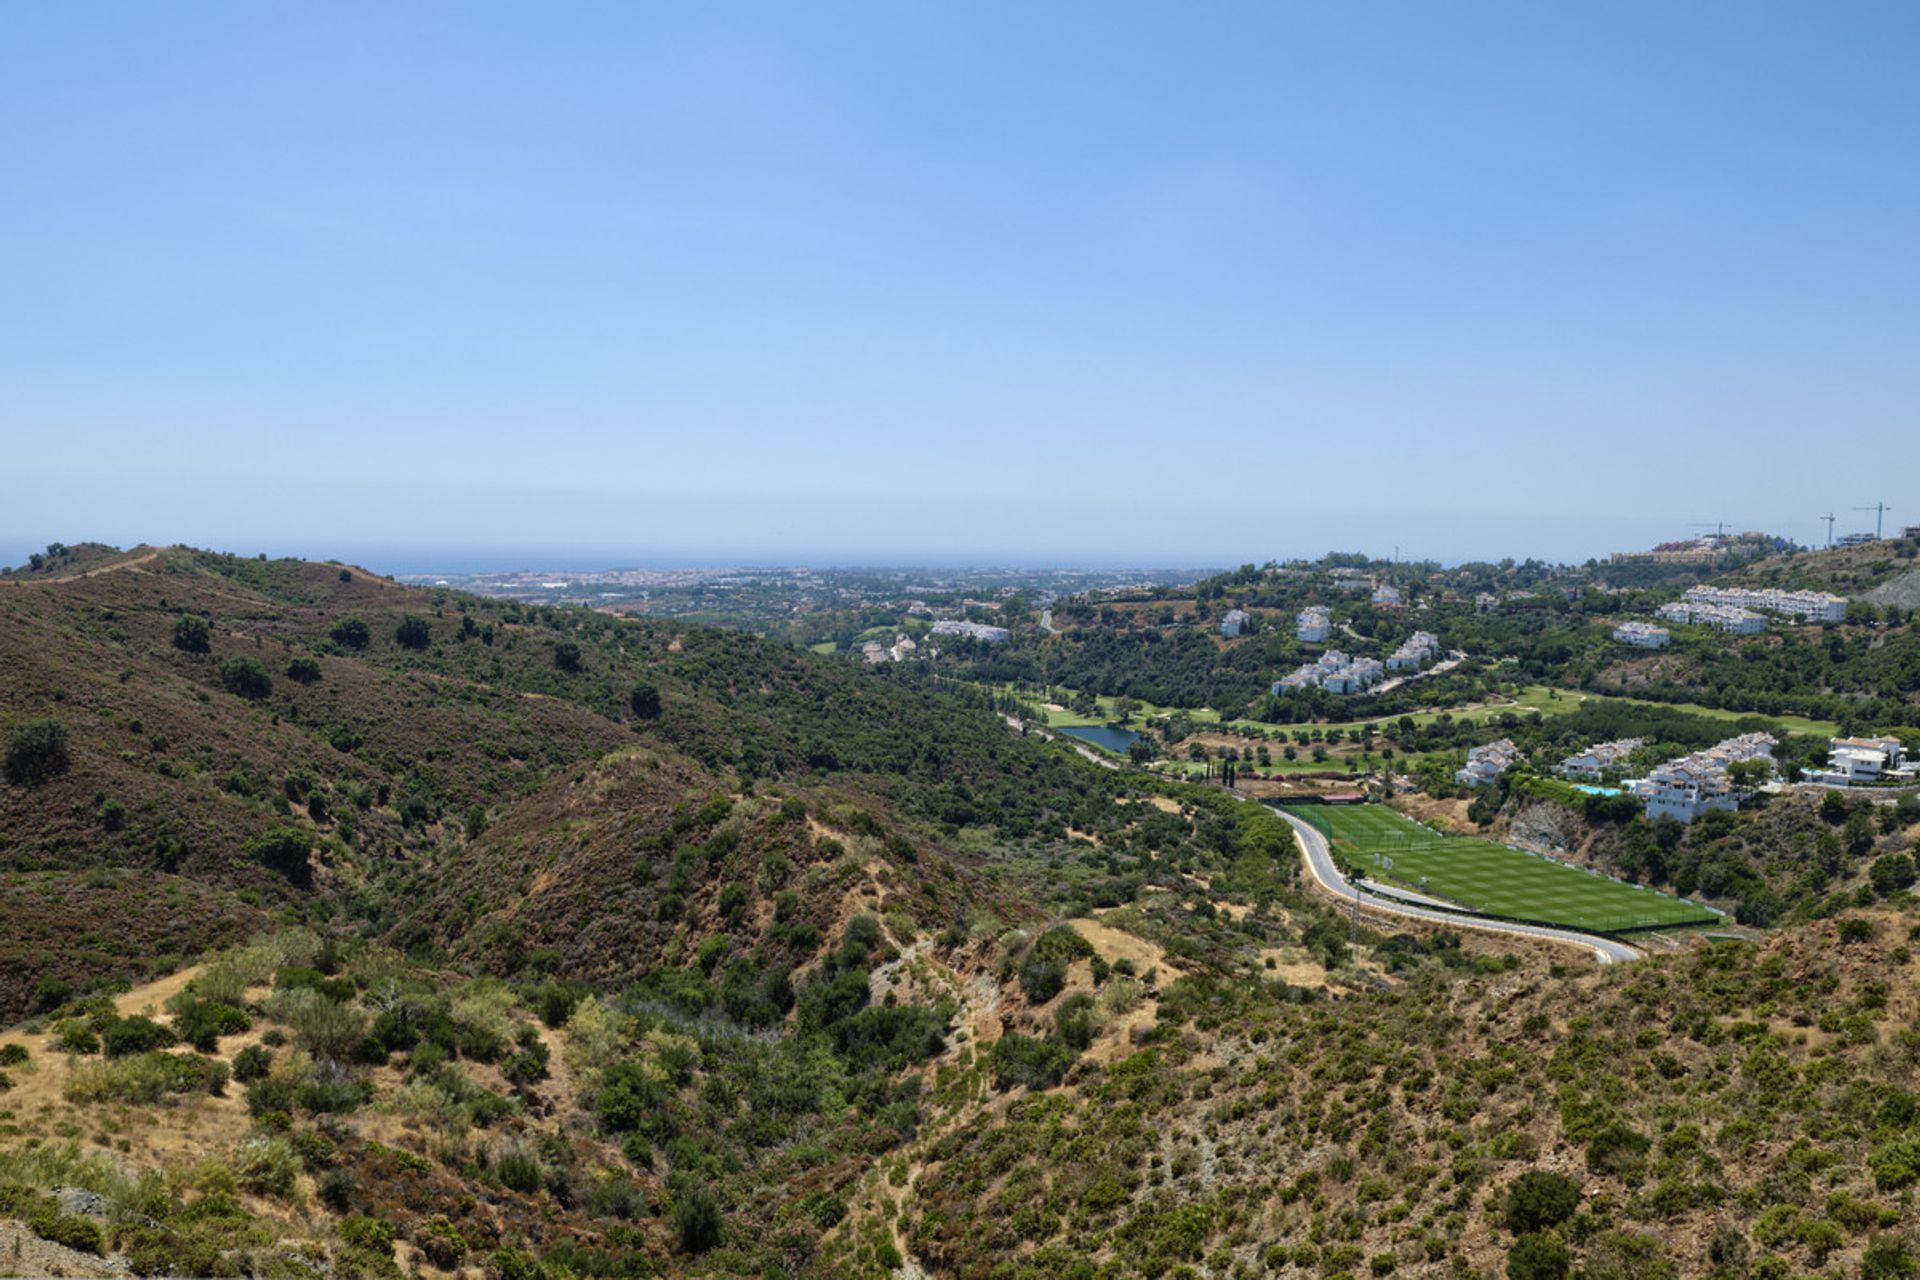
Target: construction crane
pixel 1829 519
pixel 1879 510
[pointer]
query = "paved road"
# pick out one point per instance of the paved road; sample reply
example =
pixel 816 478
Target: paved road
pixel 1320 865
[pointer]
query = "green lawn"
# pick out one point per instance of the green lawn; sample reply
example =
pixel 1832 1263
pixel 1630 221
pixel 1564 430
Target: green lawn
pixel 1492 878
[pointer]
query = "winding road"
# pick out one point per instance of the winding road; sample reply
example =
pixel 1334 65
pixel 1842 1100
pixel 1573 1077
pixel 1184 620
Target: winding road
pixel 1320 865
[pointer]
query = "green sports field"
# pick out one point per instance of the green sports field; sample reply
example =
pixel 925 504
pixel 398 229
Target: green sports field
pixel 1492 878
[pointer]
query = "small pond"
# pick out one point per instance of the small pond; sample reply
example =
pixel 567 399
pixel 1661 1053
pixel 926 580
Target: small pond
pixel 1105 736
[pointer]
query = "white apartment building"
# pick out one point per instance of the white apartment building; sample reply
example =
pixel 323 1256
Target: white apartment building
pixel 1484 764
pixel 1817 606
pixel 1642 635
pixel 1313 625
pixel 1686 788
pixel 1864 761
pixel 1419 649
pixel 977 630
pixel 1335 672
pixel 1598 758
pixel 1234 622
pixel 1726 618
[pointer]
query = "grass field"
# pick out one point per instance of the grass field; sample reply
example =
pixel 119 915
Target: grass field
pixel 1492 878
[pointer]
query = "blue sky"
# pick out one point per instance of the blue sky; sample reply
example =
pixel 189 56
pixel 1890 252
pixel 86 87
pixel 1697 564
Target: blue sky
pixel 906 282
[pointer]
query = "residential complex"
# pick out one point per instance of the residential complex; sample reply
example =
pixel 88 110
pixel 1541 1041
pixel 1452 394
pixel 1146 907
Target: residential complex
pixel 1739 622
pixel 1484 764
pixel 1819 606
pixel 1386 593
pixel 1420 648
pixel 1314 625
pixel 975 630
pixel 1686 788
pixel 1335 672
pixel 1234 622
pixel 1864 761
pixel 1598 758
pixel 1642 635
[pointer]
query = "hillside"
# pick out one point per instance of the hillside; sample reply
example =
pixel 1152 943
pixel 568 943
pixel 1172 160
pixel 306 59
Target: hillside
pixel 1883 572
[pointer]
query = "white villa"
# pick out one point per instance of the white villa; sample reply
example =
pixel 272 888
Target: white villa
pixel 1598 758
pixel 1314 625
pixel 1386 593
pixel 1485 602
pixel 1642 635
pixel 1484 764
pixel 1817 606
pixel 1420 648
pixel 1740 622
pixel 1864 760
pixel 1234 622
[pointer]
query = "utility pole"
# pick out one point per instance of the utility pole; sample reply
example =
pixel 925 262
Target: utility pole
pixel 1829 520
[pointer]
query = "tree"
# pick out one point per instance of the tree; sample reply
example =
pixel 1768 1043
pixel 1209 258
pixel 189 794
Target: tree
pixel 246 677
pixel 1891 873
pixel 303 670
pixel 413 633
pixel 1537 1199
pixel 645 700
pixel 192 635
pixel 351 633
pixel 566 656
pixel 36 752
pixel 696 1215
pixel 283 849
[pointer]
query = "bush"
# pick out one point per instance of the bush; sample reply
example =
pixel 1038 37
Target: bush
pixel 266 1164
pixel 512 1264
pixel 1073 1022
pixel 1536 1256
pixel 245 677
pixel 1023 1060
pixel 252 1063
pixel 696 1219
pixel 303 670
pixel 518 1171
pixel 201 1023
pixel 324 1027
pixel 441 1242
pixel 645 700
pixel 124 1037
pixel 351 633
pixel 566 656
pixel 367 1233
pixel 1537 1200
pixel 191 634
pixel 283 849
pixel 145 1079
pixel 413 633
pixel 77 1037
pixel 335 1188
pixel 36 752
pixel 13 1055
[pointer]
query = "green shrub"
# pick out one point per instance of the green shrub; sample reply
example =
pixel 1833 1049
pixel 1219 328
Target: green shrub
pixel 351 633
pixel 1023 1060
pixel 1895 1164
pixel 695 1218
pixel 266 1164
pixel 124 1037
pixel 413 633
pixel 145 1078
pixel 77 1037
pixel 441 1242
pixel 201 1023
pixel 36 752
pixel 645 700
pixel 1537 1200
pixel 252 1063
pixel 518 1171
pixel 191 634
pixel 13 1055
pixel 1073 1022
pixel 245 677
pixel 1537 1256
pixel 372 1234
pixel 283 849
pixel 303 670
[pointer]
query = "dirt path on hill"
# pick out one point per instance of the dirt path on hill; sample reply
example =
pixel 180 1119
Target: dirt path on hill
pixel 115 567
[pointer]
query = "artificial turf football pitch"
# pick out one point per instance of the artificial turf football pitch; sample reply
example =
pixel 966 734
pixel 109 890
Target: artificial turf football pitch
pixel 1491 878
